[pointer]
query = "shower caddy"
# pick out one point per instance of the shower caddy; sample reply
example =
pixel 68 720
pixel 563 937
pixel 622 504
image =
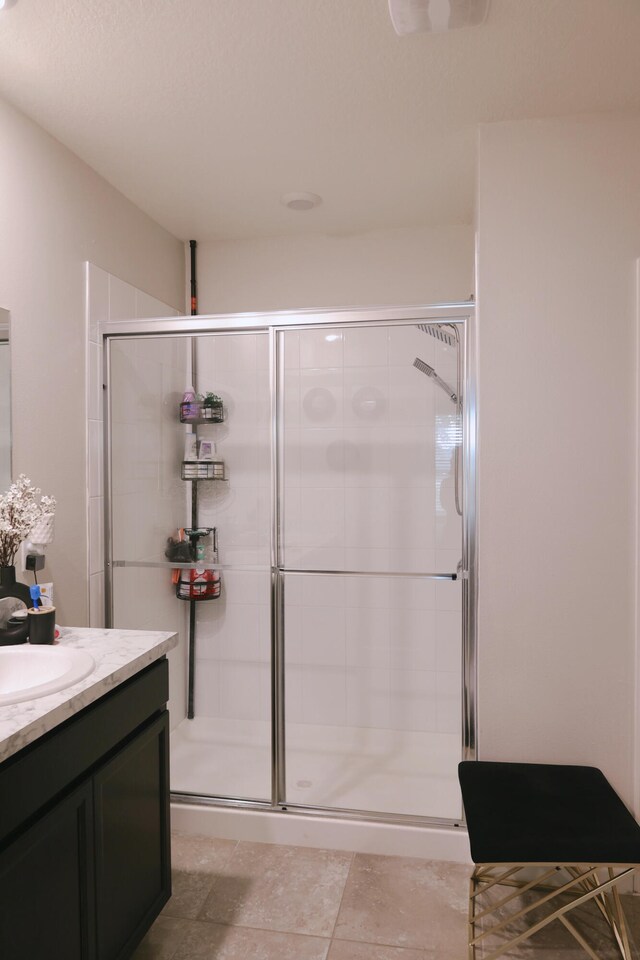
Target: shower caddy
pixel 195 413
pixel 208 584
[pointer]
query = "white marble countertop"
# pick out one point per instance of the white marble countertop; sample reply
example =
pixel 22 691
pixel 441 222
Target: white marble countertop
pixel 118 655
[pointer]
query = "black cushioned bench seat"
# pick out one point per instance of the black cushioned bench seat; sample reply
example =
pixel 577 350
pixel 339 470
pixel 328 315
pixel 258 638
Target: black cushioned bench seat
pixel 545 813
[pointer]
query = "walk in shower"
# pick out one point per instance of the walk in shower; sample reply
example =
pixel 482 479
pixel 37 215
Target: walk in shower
pixel 324 587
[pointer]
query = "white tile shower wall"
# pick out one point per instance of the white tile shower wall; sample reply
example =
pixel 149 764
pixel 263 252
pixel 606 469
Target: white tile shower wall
pixel 360 651
pixel 144 600
pixel 233 648
pixel 236 368
pixel 107 298
pixel 149 498
pixel 367 432
pixel 380 652
pixel 368 462
pixel 362 425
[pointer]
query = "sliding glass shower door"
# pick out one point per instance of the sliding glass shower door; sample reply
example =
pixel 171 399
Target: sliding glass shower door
pixel 309 547
pixel 371 541
pixel 220 682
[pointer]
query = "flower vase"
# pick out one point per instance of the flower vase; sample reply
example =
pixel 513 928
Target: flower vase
pixel 10 587
pixel 42 531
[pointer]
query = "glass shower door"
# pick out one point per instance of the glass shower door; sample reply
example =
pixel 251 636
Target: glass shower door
pixel 220 682
pixel 370 541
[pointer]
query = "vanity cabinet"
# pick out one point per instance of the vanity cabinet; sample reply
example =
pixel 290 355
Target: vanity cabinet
pixel 84 829
pixel 45 879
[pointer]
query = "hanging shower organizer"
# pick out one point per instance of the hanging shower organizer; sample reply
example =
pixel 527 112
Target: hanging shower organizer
pixel 199 583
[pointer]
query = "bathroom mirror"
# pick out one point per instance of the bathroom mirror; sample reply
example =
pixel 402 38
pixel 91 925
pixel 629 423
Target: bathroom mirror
pixel 5 402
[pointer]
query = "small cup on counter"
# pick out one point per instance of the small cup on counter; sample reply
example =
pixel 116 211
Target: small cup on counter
pixel 42 624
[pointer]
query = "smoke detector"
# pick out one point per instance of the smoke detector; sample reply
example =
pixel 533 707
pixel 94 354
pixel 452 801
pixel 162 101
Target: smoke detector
pixel 436 16
pixel 300 201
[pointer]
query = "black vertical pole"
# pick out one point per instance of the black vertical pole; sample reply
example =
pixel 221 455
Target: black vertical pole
pixel 194 513
pixel 192 658
pixel 194 285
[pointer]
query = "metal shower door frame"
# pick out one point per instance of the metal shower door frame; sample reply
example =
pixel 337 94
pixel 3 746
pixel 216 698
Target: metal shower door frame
pixel 275 324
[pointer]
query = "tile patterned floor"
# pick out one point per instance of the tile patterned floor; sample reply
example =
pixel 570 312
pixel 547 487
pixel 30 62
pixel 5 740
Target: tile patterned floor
pixel 253 901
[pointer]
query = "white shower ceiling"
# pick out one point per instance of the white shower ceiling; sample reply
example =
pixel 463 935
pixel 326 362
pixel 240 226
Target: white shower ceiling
pixel 203 112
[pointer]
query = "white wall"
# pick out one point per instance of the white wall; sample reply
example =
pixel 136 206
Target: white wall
pixel 558 233
pixel 56 214
pixel 5 402
pixel 383 267
pixel 108 298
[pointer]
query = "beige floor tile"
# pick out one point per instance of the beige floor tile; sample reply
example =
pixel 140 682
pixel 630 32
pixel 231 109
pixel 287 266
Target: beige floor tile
pixel 349 950
pixel 631 907
pixel 290 889
pixel 196 863
pixel 213 941
pixel 406 902
pixel 197 853
pixel 162 941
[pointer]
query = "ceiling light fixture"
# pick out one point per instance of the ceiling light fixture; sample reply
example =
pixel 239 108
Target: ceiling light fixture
pixel 436 16
pixel 300 201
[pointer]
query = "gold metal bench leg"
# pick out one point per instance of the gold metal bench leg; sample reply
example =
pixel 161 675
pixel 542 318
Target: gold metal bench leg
pixel 623 937
pixel 472 910
pixel 584 885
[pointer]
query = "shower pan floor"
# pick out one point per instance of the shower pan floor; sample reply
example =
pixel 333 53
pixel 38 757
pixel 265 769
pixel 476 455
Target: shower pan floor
pixel 349 768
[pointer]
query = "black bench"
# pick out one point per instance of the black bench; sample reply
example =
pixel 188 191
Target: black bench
pixel 556 836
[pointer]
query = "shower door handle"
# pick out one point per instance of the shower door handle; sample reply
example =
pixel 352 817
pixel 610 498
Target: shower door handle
pixel 390 574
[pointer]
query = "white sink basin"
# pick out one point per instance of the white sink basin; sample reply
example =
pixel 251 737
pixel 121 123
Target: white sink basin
pixel 27 672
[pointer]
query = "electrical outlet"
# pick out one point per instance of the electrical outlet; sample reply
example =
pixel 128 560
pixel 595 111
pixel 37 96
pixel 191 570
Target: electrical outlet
pixel 34 562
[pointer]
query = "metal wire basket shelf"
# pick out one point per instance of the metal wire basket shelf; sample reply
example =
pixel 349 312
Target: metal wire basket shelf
pixel 203 470
pixel 199 587
pixel 201 411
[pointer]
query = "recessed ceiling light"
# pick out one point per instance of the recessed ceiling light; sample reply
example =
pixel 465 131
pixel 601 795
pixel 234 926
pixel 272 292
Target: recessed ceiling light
pixel 301 201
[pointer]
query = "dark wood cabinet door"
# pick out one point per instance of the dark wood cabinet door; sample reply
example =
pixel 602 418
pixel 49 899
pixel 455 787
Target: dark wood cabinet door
pixel 46 885
pixel 131 818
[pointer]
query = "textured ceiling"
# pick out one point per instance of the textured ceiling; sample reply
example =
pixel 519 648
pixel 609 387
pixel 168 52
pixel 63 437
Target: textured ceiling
pixel 203 112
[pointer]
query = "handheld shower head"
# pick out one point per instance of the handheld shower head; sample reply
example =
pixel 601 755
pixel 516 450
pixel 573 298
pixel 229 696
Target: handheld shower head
pixel 430 372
